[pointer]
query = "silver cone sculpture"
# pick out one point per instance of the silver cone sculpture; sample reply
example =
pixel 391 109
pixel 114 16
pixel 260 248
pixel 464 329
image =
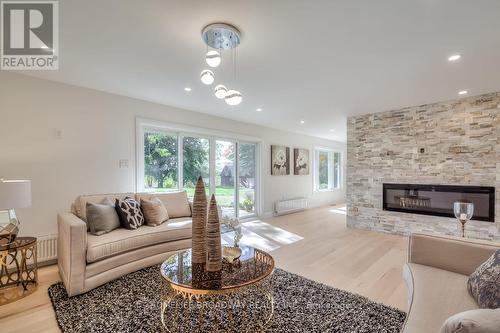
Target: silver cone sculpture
pixel 214 247
pixel 199 254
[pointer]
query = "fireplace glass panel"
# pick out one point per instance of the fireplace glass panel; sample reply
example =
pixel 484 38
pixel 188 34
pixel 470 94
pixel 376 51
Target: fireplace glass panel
pixel 438 199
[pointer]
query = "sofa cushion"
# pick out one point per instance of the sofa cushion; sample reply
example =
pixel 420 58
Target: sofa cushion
pixel 473 321
pixel 79 206
pixel 102 217
pixel 130 213
pixel 177 203
pixel 154 211
pixel 435 295
pixel 484 283
pixel 122 240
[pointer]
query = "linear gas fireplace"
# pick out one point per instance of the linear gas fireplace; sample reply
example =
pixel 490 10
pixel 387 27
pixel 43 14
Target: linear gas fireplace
pixel 438 199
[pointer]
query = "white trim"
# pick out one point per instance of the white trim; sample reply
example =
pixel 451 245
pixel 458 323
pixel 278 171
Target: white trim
pixel 331 152
pixel 193 130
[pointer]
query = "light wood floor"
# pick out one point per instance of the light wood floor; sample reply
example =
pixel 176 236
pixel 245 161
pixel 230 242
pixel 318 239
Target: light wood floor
pixel 315 244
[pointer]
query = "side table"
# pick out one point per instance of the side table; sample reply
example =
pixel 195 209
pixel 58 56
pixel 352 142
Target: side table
pixel 18 268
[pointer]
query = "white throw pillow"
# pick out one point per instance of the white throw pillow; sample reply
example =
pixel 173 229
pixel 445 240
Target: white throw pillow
pixel 473 321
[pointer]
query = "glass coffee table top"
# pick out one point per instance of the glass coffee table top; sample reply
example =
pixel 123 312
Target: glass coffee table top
pixel 253 265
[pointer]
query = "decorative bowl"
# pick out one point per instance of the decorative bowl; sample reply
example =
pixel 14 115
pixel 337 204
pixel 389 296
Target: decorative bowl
pixel 231 253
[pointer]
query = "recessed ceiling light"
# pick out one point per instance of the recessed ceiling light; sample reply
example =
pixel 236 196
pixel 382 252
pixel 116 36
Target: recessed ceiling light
pixel 462 92
pixel 454 57
pixel 258 109
pixel 332 130
pixel 187 89
pixel 302 122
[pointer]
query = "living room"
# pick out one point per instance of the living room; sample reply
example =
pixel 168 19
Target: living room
pixel 285 166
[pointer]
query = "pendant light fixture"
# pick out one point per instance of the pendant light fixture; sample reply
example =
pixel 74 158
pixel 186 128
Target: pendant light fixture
pixel 221 37
pixel 233 97
pixel 207 77
pixel 213 58
pixel 220 91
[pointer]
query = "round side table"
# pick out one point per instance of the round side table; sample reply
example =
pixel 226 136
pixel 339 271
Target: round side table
pixel 18 268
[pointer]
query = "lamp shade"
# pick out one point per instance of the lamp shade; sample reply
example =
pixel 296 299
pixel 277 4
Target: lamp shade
pixel 15 194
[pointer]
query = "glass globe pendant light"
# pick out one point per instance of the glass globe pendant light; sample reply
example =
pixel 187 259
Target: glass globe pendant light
pixel 207 77
pixel 233 97
pixel 213 58
pixel 221 37
pixel 220 91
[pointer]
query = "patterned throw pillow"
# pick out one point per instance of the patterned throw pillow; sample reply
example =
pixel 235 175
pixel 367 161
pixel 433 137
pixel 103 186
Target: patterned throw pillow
pixel 484 283
pixel 129 212
pixel 154 211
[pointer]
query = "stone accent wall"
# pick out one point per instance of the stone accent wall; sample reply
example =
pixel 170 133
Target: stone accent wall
pixel 461 139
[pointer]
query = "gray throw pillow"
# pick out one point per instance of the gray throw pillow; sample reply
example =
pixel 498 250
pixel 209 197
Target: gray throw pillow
pixel 473 321
pixel 484 283
pixel 102 217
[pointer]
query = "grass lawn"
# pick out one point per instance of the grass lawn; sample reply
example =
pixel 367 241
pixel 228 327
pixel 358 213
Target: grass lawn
pixel 225 195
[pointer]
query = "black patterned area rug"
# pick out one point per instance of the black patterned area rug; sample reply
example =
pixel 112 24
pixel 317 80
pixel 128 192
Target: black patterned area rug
pixel 132 304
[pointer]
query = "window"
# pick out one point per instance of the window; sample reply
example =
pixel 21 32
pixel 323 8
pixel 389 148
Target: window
pixel 195 163
pixel 160 161
pixel 327 170
pixel 172 160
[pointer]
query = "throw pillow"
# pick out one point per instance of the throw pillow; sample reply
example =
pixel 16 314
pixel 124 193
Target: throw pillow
pixel 129 212
pixel 484 283
pixel 154 211
pixel 101 217
pixel 473 321
pixel 176 203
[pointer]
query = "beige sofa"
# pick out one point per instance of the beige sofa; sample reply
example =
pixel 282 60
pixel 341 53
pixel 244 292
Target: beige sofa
pixel 436 277
pixel 87 261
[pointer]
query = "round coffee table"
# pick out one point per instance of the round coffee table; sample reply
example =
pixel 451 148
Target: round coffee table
pixel 237 299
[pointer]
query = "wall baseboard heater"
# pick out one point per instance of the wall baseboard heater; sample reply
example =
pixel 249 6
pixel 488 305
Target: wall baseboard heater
pixel 47 248
pixel 289 206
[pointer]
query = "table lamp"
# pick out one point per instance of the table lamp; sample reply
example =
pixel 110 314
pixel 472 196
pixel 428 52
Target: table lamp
pixel 13 194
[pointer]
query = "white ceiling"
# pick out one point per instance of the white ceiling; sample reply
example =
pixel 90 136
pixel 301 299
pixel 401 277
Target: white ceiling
pixel 317 61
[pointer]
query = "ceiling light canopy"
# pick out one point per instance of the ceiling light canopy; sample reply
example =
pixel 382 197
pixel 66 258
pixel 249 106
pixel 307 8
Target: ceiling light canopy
pixel 454 57
pixel 213 58
pixel 221 36
pixel 207 76
pixel 220 91
pixel 233 97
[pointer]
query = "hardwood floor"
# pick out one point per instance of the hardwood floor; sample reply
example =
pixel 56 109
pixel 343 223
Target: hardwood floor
pixel 315 244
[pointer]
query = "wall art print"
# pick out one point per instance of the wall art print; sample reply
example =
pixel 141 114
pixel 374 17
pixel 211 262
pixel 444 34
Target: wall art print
pixel 280 160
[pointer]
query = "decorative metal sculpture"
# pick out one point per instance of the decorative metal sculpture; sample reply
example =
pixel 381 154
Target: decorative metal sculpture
pixel 199 254
pixel 214 247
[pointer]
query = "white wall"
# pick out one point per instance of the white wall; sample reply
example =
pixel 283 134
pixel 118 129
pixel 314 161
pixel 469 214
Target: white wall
pixel 98 129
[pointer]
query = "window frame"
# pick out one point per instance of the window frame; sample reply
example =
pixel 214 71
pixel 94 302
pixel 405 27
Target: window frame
pixel 143 125
pixel 331 169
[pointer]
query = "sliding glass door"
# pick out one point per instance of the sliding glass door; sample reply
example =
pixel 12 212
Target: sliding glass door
pixel 225 176
pixel 195 163
pixel 174 161
pixel 246 179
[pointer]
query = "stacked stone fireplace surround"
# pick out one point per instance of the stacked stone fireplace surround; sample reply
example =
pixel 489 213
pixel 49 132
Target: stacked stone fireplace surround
pixel 450 143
